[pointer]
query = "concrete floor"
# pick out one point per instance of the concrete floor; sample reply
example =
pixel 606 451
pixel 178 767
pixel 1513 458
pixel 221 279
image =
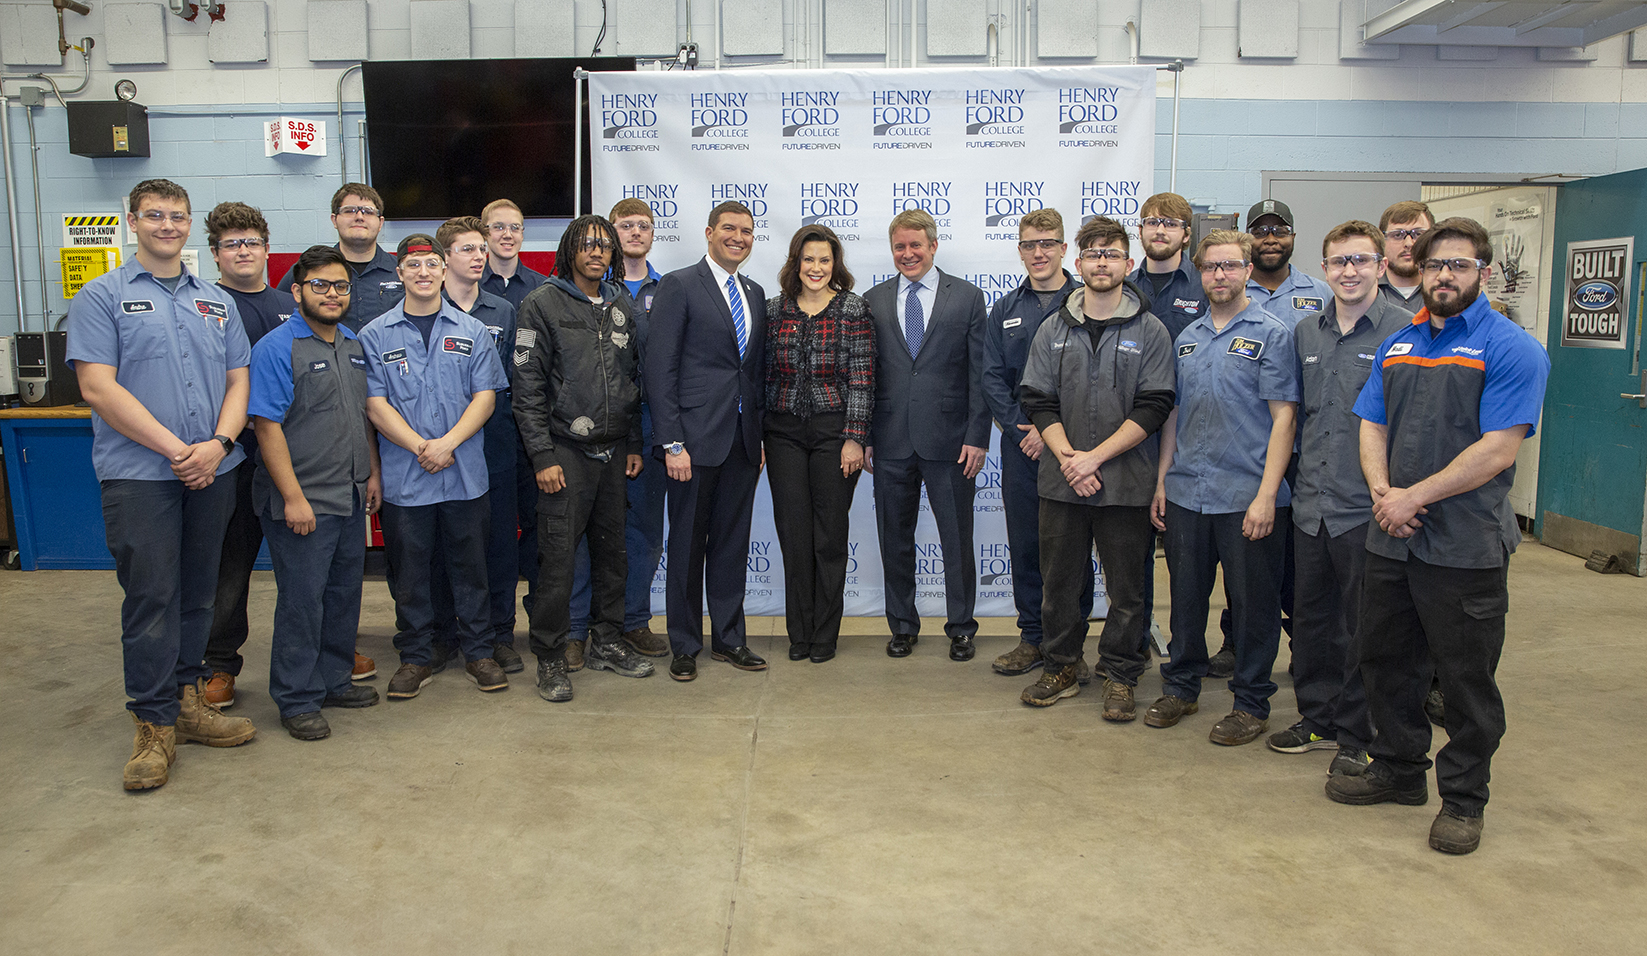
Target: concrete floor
pixel 866 806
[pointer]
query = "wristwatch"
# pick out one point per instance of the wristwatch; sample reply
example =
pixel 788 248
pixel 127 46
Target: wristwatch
pixel 674 448
pixel 228 443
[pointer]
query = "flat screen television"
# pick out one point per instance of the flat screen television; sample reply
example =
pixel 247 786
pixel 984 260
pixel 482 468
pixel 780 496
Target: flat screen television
pixel 446 137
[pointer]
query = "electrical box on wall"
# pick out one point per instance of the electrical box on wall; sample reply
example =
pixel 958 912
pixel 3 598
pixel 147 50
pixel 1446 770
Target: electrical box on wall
pixel 102 130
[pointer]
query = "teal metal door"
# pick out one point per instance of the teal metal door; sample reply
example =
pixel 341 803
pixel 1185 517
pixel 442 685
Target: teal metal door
pixel 1593 458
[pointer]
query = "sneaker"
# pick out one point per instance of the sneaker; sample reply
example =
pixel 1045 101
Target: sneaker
pixel 508 658
pixel 574 655
pixel 1435 707
pixel 619 658
pixel 1020 660
pixel 1373 787
pixel 645 642
pixel 154 750
pixel 553 684
pixel 1055 684
pixel 1237 728
pixel 1350 762
pixel 199 721
pixel 309 726
pixel 1452 832
pixel 220 689
pixel 1299 739
pixel 409 679
pixel 1083 672
pixel 365 668
pixel 1119 704
pixel 1221 666
pixel 1169 710
pixel 351 697
pixel 487 675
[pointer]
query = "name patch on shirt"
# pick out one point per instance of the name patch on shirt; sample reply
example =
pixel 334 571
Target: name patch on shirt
pixel 394 355
pixel 648 305
pixel 1246 348
pixel 358 361
pixel 136 306
pixel 461 346
pixel 1012 323
pixel 1128 345
pixel 1307 303
pixel 319 366
pixel 1311 359
pixel 213 311
pixel 1400 348
pixel 390 286
pixel 1364 356
pixel 1187 306
pixel 1184 350
pixel 497 333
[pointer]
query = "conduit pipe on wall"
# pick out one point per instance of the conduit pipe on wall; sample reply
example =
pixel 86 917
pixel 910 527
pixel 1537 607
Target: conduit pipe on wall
pixel 11 209
pixel 342 162
pixel 39 232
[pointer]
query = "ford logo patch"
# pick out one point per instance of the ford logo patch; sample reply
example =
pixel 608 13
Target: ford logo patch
pixel 1595 296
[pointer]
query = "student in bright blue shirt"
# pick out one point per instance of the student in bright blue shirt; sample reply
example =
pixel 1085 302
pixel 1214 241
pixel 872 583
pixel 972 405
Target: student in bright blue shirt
pixel 433 377
pixel 161 358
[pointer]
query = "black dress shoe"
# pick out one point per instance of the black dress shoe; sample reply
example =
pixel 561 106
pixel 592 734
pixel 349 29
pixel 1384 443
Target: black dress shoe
pixel 901 645
pixel 352 696
pixel 742 658
pixel 309 726
pixel 822 653
pixel 961 649
pixel 684 667
pixel 799 652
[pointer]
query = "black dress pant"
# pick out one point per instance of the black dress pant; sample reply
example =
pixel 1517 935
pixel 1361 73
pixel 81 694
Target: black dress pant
pixel 1326 660
pixel 592 505
pixel 811 509
pixel 234 577
pixel 1124 539
pixel 708 550
pixel 1413 613
pixel 897 509
pixel 1197 544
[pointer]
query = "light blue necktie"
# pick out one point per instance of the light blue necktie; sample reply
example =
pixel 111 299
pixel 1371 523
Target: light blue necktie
pixel 740 325
pixel 914 320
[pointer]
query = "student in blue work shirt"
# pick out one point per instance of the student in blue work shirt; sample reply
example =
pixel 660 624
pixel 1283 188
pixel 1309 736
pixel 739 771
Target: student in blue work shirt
pixel 161 358
pixel 1276 284
pixel 433 378
pixel 318 478
pixel 1451 398
pixel 1010 329
pixel 375 287
pixel 1222 496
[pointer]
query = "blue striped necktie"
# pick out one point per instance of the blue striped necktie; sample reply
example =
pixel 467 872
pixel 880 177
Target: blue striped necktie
pixel 740 324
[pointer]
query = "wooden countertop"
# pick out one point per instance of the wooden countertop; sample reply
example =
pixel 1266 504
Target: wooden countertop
pixel 64 411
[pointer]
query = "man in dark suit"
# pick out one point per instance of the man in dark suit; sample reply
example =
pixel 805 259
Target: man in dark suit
pixel 931 424
pixel 705 385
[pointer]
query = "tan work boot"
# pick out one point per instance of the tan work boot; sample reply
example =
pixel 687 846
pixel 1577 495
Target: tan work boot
pixel 153 751
pixel 1020 660
pixel 201 722
pixel 574 656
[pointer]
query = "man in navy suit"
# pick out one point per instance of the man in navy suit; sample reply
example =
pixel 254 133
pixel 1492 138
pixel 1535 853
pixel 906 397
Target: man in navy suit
pixel 705 385
pixel 931 425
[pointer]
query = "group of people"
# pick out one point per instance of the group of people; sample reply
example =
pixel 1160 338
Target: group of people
pixel 1343 460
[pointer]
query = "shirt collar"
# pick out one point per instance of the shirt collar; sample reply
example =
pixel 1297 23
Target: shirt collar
pixel 134 268
pixel 1472 314
pixel 721 275
pixel 928 281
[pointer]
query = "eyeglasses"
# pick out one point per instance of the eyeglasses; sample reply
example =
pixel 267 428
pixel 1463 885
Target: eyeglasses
pixel 1458 266
pixel 501 227
pixel 637 225
pixel 1269 230
pixel 1093 255
pixel 1045 245
pixel 233 244
pixel 322 286
pixel 1226 266
pixel 1401 234
pixel 1162 221
pixel 590 244
pixel 470 248
pixel 156 217
pixel 416 265
pixel 1356 261
pixel 367 211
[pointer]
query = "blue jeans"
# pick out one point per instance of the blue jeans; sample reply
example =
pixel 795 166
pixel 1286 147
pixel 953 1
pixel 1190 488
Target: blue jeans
pixel 317 610
pixel 643 540
pixel 166 541
pixel 457 529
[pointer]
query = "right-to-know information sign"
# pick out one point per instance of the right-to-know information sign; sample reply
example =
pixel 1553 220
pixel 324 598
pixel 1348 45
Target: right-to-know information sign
pixel 1596 307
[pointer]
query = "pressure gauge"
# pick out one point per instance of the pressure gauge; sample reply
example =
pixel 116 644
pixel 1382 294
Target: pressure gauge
pixel 126 90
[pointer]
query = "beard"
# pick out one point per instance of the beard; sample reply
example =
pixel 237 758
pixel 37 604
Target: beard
pixel 303 307
pixel 1160 255
pixel 1272 261
pixel 1466 294
pixel 1102 282
pixel 1405 273
pixel 1221 296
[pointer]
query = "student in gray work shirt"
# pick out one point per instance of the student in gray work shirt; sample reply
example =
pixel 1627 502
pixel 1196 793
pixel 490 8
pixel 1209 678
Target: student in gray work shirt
pixel 1401 225
pixel 375 286
pixel 1331 504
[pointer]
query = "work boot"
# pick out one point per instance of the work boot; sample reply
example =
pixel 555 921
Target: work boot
pixel 508 658
pixel 1119 703
pixel 574 655
pixel 1452 832
pixel 220 689
pixel 645 642
pixel 553 684
pixel 1020 660
pixel 619 658
pixel 365 668
pixel 1055 684
pixel 154 749
pixel 199 721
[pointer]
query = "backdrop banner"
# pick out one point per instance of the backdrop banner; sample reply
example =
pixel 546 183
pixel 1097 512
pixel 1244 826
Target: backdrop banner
pixel 976 148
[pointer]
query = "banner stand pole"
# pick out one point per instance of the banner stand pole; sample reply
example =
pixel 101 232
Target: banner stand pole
pixel 1176 68
pixel 579 74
